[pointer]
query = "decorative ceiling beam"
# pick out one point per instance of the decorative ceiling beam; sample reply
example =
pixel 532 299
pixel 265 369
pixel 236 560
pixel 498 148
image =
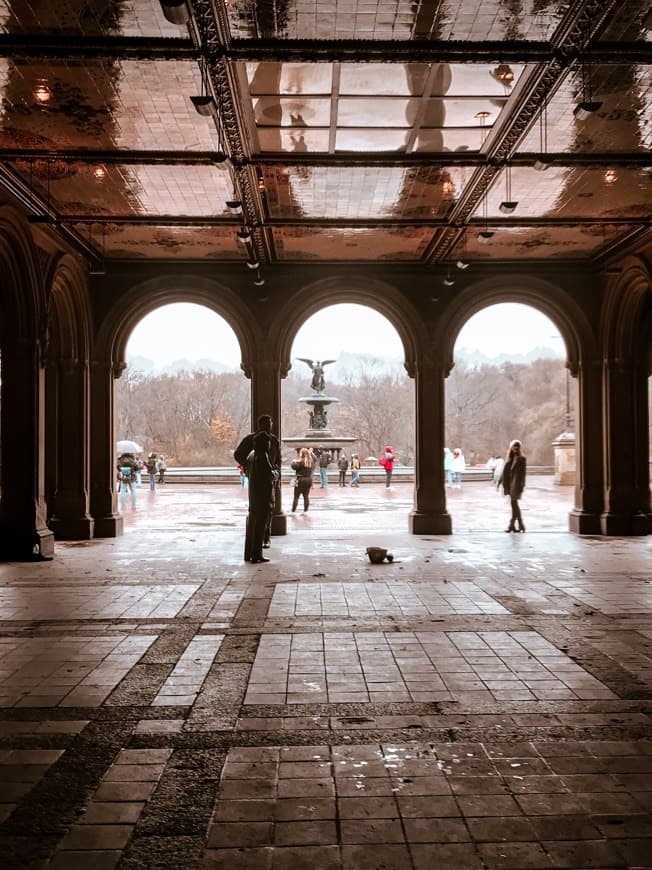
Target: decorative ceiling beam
pixel 115 156
pixel 586 160
pixel 52 47
pixel 343 223
pixel 425 51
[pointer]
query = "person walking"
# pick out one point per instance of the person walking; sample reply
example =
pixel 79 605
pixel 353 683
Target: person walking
pixel 162 468
pixel 355 470
pixel 459 464
pixel 262 478
pixel 324 462
pixel 302 467
pixel 152 469
pixel 513 483
pixel 127 478
pixel 448 466
pixel 343 464
pixel 387 461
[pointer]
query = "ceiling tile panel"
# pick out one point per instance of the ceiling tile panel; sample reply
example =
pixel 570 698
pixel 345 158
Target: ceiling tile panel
pixel 100 189
pixel 395 19
pixel 103 104
pixel 573 193
pixel 134 241
pixel 629 22
pixel 84 18
pixel 399 244
pixel 623 122
pixel 361 192
pixel 537 243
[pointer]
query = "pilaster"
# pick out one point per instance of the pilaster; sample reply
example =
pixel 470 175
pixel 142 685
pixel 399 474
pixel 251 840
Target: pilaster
pixel 429 515
pixel 266 399
pixel 69 515
pixel 627 489
pixel 584 519
pixel 108 522
pixel 24 534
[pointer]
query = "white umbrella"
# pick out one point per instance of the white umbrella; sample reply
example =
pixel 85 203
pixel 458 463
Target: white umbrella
pixel 128 447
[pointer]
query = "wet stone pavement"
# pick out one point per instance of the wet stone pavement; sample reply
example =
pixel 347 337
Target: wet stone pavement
pixel 482 702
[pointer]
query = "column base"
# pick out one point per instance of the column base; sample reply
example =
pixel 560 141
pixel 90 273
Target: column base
pixel 583 523
pixel 279 524
pixel 109 527
pixel 619 525
pixel 422 523
pixel 73 529
pixel 20 546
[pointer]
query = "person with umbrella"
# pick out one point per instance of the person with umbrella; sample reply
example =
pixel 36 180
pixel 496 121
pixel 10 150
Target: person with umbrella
pixel 127 478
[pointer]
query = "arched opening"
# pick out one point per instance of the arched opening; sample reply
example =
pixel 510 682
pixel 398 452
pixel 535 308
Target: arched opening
pixel 510 381
pixel 182 403
pixel 346 399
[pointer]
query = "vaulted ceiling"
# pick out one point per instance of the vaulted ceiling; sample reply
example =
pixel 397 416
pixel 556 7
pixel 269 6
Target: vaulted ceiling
pixel 349 130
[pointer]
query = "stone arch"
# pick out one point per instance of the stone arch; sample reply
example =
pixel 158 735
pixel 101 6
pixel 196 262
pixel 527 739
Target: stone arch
pixel 622 321
pixel 549 299
pixel 21 294
pixel 69 309
pixel 147 296
pixel 358 290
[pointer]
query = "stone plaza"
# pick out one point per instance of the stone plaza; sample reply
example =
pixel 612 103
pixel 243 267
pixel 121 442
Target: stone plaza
pixel 482 702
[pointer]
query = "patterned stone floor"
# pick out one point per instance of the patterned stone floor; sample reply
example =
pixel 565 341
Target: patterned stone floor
pixel 482 702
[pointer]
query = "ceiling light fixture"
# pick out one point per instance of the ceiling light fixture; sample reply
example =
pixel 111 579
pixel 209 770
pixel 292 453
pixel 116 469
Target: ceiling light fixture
pixel 99 172
pixel 504 73
pixel 543 161
pixel 508 205
pixel 205 106
pixel 260 282
pixel 448 281
pixel 485 235
pixel 253 265
pixel 586 108
pixel 587 105
pixel 611 176
pixel 462 263
pixel 234 206
pixel 244 236
pixel 176 11
pixel 482 117
pixel 42 93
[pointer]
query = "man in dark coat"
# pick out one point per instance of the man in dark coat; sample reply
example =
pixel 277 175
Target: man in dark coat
pixel 261 498
pixel 243 455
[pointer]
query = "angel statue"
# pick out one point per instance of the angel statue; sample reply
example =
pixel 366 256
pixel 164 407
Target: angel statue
pixel 318 383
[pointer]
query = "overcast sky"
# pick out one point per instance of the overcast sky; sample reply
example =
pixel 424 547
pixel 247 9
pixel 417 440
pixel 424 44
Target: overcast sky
pixel 193 332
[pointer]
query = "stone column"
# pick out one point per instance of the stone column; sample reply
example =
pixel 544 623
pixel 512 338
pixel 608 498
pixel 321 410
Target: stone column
pixel 627 489
pixel 24 534
pixel 266 399
pixel 69 516
pixel 584 519
pixel 108 522
pixel 429 515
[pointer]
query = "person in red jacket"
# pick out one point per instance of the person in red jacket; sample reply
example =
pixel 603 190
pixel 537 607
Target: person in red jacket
pixel 387 461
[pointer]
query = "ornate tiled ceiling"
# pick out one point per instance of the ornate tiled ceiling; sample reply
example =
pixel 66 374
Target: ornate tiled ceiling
pixel 349 130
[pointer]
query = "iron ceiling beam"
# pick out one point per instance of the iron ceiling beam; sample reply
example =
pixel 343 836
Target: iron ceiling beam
pixel 341 223
pixel 52 47
pixel 587 160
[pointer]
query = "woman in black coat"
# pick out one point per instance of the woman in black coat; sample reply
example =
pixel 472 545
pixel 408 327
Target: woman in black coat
pixel 513 482
pixel 303 480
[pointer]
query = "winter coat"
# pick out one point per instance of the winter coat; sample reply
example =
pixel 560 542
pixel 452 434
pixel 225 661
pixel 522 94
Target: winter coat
pixel 513 477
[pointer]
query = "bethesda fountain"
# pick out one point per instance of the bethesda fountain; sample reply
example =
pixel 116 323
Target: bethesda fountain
pixel 318 434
